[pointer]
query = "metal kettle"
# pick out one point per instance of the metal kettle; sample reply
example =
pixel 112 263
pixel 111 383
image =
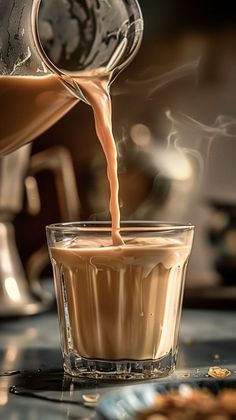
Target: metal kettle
pixel 21 293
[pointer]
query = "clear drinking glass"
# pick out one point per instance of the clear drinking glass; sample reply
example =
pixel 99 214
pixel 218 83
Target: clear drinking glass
pixel 119 306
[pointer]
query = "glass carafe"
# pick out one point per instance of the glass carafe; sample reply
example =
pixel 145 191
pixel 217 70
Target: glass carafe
pixel 43 44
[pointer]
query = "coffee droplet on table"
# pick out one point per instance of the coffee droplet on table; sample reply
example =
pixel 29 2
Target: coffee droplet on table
pixel 91 398
pixel 218 372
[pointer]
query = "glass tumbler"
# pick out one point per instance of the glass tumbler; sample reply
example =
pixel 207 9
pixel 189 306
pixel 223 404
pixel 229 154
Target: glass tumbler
pixel 119 307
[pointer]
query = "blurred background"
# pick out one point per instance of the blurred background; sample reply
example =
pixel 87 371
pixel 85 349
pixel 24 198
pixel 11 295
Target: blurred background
pixel 174 114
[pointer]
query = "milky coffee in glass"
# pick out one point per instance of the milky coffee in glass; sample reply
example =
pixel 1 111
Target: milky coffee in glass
pixel 119 306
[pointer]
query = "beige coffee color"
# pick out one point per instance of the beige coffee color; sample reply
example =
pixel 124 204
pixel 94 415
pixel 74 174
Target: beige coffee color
pixel 29 106
pixel 120 302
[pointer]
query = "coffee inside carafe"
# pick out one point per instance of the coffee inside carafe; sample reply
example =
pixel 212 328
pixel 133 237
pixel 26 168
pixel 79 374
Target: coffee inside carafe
pixel 29 106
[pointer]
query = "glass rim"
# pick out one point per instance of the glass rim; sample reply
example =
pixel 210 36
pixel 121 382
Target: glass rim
pixel 125 226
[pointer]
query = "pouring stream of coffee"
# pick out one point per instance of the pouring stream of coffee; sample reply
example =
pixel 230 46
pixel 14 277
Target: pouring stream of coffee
pixel 96 91
pixel 92 85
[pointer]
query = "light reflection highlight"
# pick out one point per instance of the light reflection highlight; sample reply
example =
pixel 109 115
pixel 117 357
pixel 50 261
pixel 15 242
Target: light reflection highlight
pixel 12 289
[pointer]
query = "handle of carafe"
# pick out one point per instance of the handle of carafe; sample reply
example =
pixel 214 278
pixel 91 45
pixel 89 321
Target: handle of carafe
pixel 57 160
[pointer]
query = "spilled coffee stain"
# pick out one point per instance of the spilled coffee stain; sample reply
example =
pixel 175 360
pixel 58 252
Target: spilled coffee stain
pixel 10 373
pixel 53 386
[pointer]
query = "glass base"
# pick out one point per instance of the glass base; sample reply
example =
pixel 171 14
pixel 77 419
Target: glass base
pixel 120 369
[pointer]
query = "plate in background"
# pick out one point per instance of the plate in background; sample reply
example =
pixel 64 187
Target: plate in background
pixel 126 403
